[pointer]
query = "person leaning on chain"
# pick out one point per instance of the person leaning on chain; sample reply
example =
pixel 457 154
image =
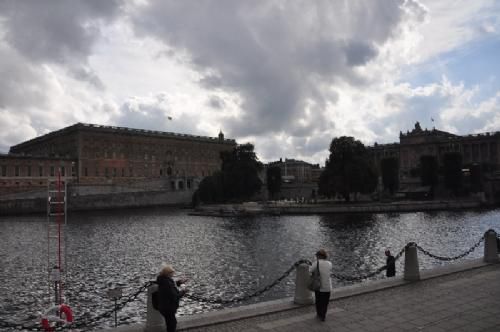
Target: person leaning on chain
pixel 323 295
pixel 169 296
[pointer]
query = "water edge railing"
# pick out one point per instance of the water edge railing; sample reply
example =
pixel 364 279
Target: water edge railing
pixel 302 294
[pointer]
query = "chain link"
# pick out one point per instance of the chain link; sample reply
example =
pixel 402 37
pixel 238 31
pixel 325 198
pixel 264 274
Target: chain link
pixel 92 321
pixel 198 298
pixel 80 323
pixel 369 275
pixel 443 258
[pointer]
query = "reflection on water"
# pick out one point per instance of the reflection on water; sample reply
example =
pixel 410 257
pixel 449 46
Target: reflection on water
pixel 222 257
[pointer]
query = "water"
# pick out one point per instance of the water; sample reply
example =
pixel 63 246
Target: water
pixel 222 257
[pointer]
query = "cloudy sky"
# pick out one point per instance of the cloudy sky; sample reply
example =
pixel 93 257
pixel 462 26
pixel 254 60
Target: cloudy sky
pixel 287 76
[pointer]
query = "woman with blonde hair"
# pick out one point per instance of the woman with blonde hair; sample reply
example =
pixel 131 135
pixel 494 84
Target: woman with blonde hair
pixel 169 296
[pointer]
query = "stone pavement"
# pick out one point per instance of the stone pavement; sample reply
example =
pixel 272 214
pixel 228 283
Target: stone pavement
pixel 462 301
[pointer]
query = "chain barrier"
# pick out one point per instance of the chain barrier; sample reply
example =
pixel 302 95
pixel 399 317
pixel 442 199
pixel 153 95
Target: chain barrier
pixel 91 321
pixel 369 275
pixel 198 298
pixel 88 322
pixel 80 323
pixel 443 258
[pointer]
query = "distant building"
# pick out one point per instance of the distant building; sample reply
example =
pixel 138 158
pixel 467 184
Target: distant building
pixel 299 178
pixel 476 149
pixel 296 170
pixel 95 155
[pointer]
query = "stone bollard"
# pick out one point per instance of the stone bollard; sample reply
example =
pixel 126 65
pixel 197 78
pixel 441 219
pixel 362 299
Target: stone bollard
pixel 302 294
pixel 490 247
pixel 154 319
pixel 412 272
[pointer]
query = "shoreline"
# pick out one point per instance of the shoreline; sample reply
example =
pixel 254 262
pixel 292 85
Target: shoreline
pixel 236 210
pixel 110 202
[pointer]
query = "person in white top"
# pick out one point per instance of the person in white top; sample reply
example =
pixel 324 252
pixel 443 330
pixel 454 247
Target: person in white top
pixel 323 295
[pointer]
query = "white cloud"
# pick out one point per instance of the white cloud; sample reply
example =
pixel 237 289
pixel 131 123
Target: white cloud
pixel 287 76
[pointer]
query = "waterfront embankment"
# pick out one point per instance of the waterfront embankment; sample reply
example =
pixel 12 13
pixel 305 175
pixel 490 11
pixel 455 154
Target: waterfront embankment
pixel 90 202
pixel 288 208
pixel 458 297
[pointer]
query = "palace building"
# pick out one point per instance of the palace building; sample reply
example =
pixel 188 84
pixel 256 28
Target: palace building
pixel 479 150
pixel 93 155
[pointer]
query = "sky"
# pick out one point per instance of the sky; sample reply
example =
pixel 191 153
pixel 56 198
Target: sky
pixel 287 76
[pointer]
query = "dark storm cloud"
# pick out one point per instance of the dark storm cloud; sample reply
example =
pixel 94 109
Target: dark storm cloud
pixel 359 53
pixel 55 31
pixel 216 102
pixel 277 56
pixel 40 42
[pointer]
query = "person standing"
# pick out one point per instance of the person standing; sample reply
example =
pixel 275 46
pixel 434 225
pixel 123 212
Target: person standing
pixel 323 295
pixel 390 263
pixel 169 296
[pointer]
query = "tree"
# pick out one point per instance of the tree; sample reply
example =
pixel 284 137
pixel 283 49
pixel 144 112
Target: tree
pixel 273 180
pixel 390 173
pixel 452 169
pixel 348 169
pixel 240 172
pixel 211 189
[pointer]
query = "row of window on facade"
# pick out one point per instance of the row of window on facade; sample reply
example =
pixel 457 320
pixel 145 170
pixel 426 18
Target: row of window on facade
pixel 147 156
pixel 30 171
pixel 471 152
pixel 21 184
pixel 130 172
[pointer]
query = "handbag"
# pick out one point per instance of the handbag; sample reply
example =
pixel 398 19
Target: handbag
pixel 315 282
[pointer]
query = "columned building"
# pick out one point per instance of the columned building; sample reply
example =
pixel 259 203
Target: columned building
pixel 476 149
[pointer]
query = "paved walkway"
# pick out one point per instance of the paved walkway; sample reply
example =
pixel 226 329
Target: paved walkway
pixel 464 301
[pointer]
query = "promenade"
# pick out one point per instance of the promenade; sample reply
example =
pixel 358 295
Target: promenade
pixel 458 297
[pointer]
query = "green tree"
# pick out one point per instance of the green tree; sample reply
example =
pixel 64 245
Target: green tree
pixel 390 173
pixel 273 180
pixel 211 189
pixel 348 169
pixel 240 172
pixel 452 169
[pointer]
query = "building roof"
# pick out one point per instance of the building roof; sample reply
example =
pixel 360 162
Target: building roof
pixel 121 130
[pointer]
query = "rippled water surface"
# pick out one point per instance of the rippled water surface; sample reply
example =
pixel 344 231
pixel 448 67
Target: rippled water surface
pixel 222 257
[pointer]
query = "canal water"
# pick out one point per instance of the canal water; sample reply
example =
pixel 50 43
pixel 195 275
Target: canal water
pixel 221 257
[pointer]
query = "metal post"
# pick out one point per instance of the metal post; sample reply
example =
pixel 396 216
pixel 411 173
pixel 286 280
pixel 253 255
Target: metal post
pixel 490 247
pixel 115 294
pixel 302 294
pixel 412 272
pixel 154 319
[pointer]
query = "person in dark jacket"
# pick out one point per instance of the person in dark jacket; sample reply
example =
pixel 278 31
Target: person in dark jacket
pixel 169 296
pixel 391 264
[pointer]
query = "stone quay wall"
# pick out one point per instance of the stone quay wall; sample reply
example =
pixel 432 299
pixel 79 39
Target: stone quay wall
pixel 100 201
